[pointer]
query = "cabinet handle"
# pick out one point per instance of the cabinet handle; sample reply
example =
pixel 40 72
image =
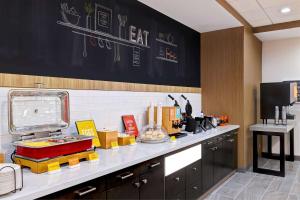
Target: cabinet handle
pixel 231 140
pixel 137 184
pixel 177 179
pixel 194 168
pixel 144 181
pixel 87 190
pixel 209 143
pixel 154 165
pixel 195 188
pixel 213 148
pixel 125 175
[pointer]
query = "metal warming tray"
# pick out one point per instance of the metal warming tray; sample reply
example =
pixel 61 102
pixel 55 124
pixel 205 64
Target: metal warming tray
pixel 51 147
pixel 36 111
pixel 41 112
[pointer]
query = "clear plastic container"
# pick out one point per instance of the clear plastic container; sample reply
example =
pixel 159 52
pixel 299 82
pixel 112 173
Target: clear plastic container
pixel 153 135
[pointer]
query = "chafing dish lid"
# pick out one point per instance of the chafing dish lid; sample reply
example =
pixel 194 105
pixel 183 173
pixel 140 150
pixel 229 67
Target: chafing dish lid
pixel 35 111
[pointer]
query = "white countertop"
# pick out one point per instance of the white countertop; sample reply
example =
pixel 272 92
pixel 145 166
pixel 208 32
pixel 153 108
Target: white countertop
pixel 273 128
pixel 39 185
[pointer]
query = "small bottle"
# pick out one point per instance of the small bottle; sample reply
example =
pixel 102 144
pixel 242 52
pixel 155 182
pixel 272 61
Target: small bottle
pixel 276 115
pixel 283 115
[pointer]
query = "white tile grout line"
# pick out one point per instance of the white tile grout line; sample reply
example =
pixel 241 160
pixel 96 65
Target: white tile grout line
pixel 294 182
pixel 245 186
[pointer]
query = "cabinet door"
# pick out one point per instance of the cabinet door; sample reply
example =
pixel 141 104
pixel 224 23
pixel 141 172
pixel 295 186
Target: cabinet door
pixel 175 184
pixel 123 185
pixel 193 173
pixel 193 191
pixel 152 180
pixel 219 162
pixel 229 146
pixel 94 189
pixel 207 168
pixel 194 180
pixel 124 191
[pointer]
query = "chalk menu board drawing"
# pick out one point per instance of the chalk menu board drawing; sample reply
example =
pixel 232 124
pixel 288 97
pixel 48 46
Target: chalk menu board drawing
pixel 165 42
pixel 103 18
pixel 136 57
pixel 166 59
pixel 69 15
pixel 167 48
pixel 102 32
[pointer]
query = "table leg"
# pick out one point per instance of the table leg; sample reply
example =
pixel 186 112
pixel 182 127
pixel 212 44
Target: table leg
pixel 282 156
pixel 291 157
pixel 255 152
pixel 269 145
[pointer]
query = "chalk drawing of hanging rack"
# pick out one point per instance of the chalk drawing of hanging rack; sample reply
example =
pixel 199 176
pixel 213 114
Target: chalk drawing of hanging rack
pixel 86 32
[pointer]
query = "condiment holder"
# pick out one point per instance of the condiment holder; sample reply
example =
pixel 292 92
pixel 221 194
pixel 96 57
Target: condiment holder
pixel 11 178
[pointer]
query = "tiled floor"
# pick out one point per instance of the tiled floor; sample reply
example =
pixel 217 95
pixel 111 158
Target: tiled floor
pixel 253 186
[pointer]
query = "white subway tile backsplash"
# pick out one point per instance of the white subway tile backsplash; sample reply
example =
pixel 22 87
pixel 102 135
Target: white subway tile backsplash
pixel 104 107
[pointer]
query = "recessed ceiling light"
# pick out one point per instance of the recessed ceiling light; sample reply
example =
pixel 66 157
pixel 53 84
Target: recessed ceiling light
pixel 285 10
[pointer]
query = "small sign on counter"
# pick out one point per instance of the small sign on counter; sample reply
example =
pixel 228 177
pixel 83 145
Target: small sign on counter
pixel 53 167
pixel 132 141
pixel 173 139
pixel 73 162
pixel 114 145
pixel 93 157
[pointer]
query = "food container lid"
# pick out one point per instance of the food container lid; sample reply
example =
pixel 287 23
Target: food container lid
pixel 36 111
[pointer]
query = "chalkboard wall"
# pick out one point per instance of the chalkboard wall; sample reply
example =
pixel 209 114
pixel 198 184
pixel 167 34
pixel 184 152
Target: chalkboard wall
pixel 111 40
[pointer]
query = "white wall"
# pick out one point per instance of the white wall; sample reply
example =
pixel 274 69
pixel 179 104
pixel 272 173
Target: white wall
pixel 105 107
pixel 281 62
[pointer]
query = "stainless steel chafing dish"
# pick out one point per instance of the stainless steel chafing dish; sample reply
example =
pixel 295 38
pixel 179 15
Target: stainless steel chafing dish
pixel 37 110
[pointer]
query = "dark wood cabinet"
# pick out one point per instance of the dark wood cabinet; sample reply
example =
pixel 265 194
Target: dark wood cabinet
pixel 194 180
pixel 123 184
pixel 207 166
pixel 147 180
pixel 94 189
pixel 152 180
pixel 175 184
pixel 219 159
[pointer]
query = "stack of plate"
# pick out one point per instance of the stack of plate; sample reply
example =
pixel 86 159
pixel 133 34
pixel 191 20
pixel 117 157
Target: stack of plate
pixel 7 180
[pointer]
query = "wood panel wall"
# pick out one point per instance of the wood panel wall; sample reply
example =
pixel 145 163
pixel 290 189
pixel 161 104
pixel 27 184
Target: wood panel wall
pixel 228 80
pixel 252 80
pixel 26 81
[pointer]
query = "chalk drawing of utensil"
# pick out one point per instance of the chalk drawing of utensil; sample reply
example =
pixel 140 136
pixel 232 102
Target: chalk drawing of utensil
pixel 100 43
pixel 122 22
pixel 108 44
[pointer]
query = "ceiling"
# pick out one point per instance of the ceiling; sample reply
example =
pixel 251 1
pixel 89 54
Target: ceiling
pixel 279 35
pixel 200 15
pixel 266 12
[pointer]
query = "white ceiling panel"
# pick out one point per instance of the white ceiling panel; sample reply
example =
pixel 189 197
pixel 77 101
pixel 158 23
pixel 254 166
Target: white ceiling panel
pixel 277 17
pixel 243 5
pixel 256 17
pixel 200 15
pixel 276 3
pixel 266 12
pixel 279 35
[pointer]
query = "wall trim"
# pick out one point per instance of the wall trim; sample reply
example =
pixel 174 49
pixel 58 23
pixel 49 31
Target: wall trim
pixel 275 27
pixel 28 81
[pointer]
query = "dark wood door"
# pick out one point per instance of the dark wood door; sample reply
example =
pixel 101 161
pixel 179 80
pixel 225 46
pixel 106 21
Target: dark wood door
pixel 129 190
pixel 93 190
pixel 229 146
pixel 152 180
pixel 207 168
pixel 194 180
pixel 124 184
pixel 219 162
pixel 175 184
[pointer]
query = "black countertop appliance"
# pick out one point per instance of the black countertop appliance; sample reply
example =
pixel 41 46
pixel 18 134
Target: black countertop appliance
pixel 276 94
